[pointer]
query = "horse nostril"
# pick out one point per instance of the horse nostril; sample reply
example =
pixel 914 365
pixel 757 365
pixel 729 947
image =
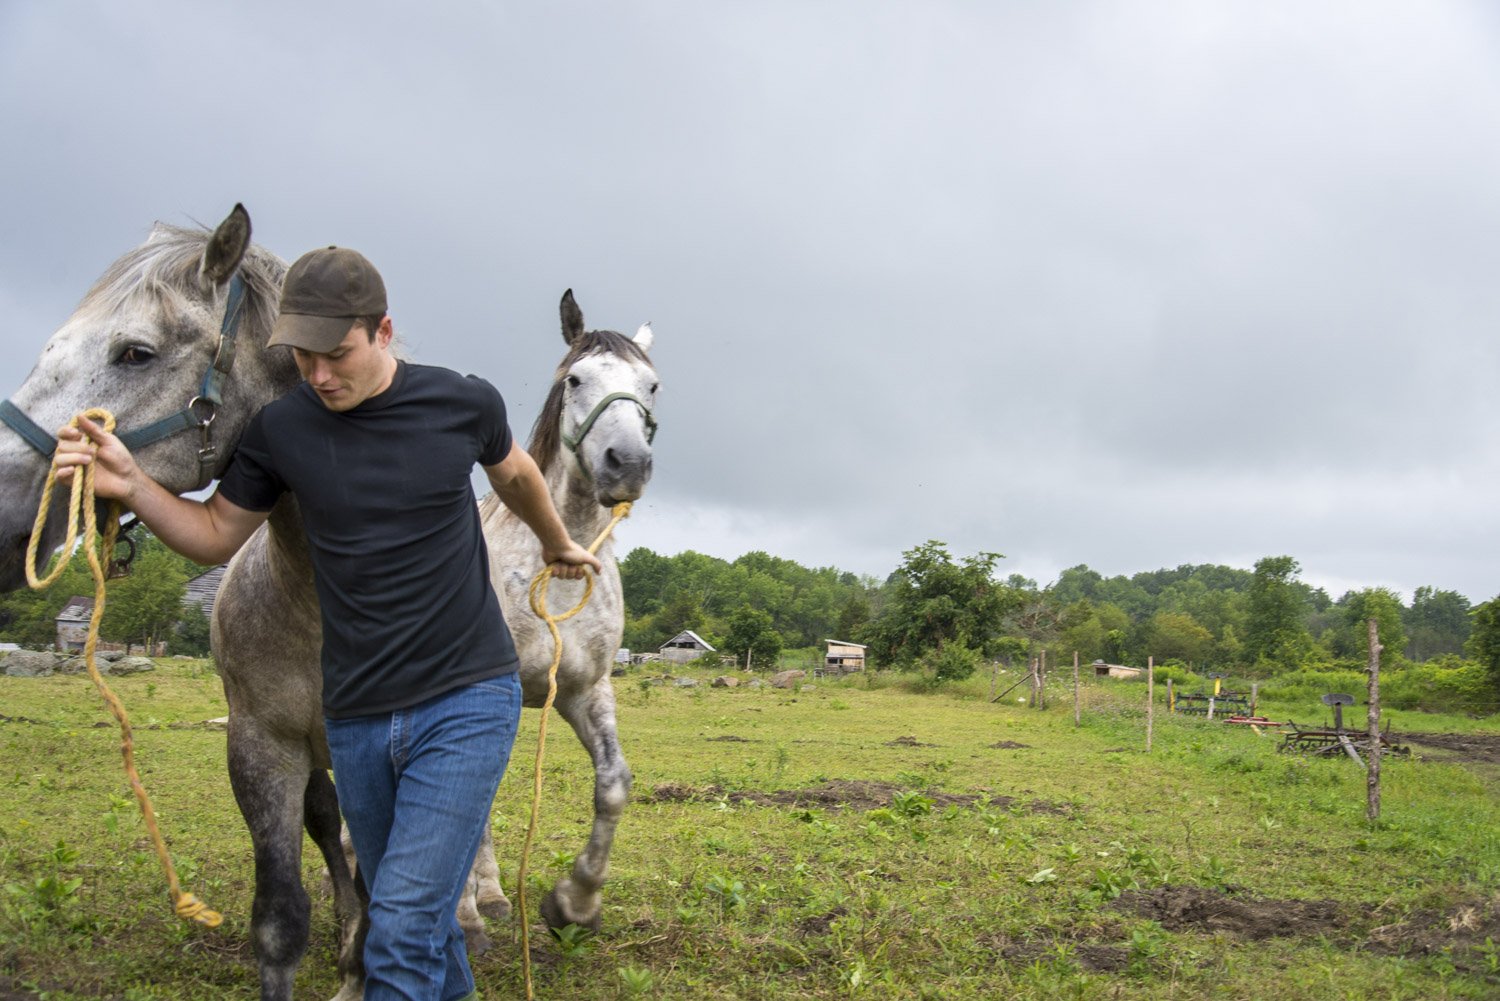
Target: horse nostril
pixel 611 460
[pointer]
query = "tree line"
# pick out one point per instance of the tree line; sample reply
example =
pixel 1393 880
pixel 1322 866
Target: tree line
pixel 943 615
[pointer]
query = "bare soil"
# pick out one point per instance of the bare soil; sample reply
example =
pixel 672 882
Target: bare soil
pixel 835 794
pixel 1200 908
pixel 1482 748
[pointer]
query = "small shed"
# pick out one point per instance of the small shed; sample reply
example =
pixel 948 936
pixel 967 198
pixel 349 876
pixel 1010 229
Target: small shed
pixel 1103 670
pixel 73 624
pixel 203 589
pixel 844 657
pixel 685 646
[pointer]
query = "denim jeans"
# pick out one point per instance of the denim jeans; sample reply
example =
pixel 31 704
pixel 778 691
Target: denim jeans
pixel 415 787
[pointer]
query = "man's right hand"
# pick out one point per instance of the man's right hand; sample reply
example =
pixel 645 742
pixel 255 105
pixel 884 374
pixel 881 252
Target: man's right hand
pixel 115 471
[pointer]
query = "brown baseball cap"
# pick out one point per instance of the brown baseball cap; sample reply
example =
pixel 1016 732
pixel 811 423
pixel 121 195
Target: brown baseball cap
pixel 324 293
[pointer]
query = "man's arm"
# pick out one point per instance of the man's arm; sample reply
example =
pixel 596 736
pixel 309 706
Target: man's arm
pixel 519 484
pixel 206 532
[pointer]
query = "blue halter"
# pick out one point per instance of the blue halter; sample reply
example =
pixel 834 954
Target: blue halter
pixel 198 414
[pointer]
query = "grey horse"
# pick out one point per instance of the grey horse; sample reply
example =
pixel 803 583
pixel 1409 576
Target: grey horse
pixel 172 340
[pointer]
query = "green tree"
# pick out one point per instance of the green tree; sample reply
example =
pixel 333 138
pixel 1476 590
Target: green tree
pixel 1436 623
pixel 1484 639
pixel 146 604
pixel 1275 631
pixel 192 634
pixel 752 631
pixel 933 601
pixel 1356 608
pixel 1178 635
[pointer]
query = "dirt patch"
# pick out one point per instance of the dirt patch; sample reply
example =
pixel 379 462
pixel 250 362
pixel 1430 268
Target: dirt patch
pixel 1459 932
pixel 1006 745
pixel 835 794
pixel 1198 908
pixel 729 739
pixel 1090 957
pixel 907 742
pixel 1476 747
pixel 819 924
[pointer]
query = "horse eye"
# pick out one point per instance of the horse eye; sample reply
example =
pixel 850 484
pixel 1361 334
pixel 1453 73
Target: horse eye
pixel 574 381
pixel 654 387
pixel 135 355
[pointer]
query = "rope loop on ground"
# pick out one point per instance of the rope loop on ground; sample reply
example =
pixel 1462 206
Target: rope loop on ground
pixel 539 606
pixel 98 550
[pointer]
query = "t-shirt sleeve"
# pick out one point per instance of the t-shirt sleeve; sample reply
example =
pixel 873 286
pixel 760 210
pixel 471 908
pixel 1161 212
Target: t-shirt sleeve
pixel 494 432
pixel 251 481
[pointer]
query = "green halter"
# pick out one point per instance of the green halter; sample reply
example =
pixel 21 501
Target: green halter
pixel 574 441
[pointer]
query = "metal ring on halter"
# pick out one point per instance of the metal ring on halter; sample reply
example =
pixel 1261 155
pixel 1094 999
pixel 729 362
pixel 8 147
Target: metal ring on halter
pixel 213 411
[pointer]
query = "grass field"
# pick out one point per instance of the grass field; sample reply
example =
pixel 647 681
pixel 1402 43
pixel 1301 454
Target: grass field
pixel 849 839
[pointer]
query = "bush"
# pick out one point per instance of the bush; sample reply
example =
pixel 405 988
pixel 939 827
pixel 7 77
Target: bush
pixel 954 662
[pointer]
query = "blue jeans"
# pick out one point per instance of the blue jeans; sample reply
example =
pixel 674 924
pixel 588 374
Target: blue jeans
pixel 415 787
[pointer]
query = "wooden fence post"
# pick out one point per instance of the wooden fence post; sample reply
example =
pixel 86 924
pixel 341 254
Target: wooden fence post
pixel 1150 700
pixel 1076 718
pixel 1372 776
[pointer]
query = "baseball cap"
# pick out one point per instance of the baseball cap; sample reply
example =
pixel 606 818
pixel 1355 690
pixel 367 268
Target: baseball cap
pixel 324 292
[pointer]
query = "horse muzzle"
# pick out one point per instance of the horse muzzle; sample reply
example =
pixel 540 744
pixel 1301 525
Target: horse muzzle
pixel 622 475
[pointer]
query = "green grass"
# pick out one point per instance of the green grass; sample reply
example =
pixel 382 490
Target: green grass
pixel 985 872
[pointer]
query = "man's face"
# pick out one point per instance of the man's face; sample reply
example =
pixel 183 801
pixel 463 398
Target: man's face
pixel 357 369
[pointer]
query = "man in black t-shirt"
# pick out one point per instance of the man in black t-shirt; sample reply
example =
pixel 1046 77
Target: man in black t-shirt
pixel 420 693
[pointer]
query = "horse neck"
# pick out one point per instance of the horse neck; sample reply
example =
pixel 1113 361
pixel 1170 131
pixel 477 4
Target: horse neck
pixel 581 513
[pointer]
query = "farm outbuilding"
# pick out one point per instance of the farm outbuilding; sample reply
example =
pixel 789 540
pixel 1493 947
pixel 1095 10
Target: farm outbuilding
pixel 685 646
pixel 1103 670
pixel 204 588
pixel 844 657
pixel 73 624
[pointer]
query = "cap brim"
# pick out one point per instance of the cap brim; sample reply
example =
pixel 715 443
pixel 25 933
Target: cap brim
pixel 310 333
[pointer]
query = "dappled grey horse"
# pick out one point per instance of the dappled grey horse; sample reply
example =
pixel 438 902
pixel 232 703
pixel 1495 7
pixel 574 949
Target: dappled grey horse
pixel 172 340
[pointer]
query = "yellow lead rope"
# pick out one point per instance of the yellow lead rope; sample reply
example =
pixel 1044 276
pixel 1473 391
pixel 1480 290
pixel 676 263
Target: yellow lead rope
pixel 98 551
pixel 539 606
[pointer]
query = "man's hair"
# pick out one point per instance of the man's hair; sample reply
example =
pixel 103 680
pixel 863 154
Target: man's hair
pixel 371 324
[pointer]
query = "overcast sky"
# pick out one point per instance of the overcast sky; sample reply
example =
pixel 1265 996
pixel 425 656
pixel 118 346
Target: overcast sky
pixel 1124 284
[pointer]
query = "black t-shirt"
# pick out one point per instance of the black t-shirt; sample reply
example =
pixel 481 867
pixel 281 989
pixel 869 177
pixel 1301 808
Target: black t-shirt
pixel 400 562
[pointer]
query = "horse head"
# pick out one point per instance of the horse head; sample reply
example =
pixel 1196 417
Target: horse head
pixel 150 343
pixel 599 419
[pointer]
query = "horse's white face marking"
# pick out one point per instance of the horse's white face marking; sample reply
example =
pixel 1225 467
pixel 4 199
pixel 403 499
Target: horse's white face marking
pixel 616 450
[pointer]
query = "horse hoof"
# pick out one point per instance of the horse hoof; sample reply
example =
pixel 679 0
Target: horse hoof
pixel 496 908
pixel 477 942
pixel 553 913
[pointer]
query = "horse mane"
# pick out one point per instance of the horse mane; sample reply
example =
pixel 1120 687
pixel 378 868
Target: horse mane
pixel 165 267
pixel 546 433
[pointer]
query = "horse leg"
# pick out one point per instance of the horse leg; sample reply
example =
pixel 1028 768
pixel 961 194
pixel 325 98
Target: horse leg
pixel 269 780
pixel 489 895
pixel 576 899
pixel 321 816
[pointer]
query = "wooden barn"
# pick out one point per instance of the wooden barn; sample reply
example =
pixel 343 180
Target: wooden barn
pixel 204 588
pixel 685 646
pixel 844 657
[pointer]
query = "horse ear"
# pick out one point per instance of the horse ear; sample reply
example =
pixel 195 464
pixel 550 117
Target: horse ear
pixel 225 248
pixel 644 337
pixel 572 318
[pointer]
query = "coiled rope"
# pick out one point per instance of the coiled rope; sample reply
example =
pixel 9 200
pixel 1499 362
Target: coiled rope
pixel 539 605
pixel 99 551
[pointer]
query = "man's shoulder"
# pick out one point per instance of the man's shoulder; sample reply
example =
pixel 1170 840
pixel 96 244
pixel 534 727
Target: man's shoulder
pixel 450 383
